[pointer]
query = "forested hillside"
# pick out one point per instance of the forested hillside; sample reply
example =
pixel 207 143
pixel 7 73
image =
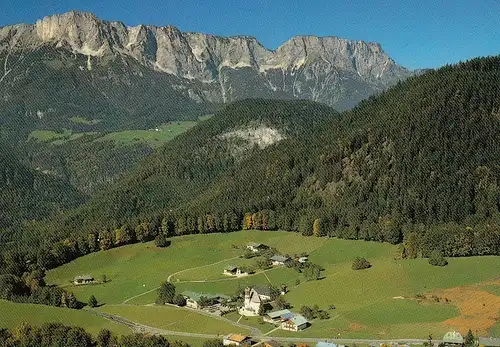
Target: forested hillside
pixel 26 195
pixel 88 163
pixel 185 167
pixel 417 164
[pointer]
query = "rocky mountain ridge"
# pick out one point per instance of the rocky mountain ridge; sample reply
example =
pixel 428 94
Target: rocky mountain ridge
pixel 216 69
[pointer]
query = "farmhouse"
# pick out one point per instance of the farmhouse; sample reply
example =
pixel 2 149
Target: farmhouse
pixel 198 300
pixel 84 279
pixel 234 271
pixel 254 299
pixel 278 260
pixel 277 317
pixel 296 323
pixel 453 338
pixel 236 340
pixel 489 341
pixel 256 247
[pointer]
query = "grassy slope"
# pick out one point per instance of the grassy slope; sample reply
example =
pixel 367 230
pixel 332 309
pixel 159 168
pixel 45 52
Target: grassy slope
pixel 13 314
pixel 493 289
pixel 165 133
pixel 175 319
pixel 152 137
pixel 83 120
pixel 363 299
pixel 495 331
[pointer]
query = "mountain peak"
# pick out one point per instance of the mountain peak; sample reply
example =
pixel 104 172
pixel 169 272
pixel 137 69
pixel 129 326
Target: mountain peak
pixel 295 69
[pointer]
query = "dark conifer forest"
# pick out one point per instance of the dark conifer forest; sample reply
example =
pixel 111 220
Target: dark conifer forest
pixel 417 165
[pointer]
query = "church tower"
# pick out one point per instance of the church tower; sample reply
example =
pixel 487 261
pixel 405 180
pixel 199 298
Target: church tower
pixel 247 296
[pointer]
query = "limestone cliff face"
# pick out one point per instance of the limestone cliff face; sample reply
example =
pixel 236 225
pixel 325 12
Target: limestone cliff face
pixel 332 70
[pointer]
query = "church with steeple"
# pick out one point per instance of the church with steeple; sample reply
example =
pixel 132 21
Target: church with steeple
pixel 254 299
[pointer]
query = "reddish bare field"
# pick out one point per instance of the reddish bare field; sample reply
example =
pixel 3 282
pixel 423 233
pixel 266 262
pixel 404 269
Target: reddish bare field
pixel 480 310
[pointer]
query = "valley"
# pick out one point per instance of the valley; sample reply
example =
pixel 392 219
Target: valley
pixel 168 188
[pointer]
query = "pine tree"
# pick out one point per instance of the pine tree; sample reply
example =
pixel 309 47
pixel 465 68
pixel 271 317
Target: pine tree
pixel 92 301
pixel 469 339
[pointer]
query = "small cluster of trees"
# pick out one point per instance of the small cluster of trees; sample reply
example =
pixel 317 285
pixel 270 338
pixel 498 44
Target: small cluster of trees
pixel 57 334
pixel 360 264
pixel 313 312
pixel 310 271
pixel 31 288
pixel 92 301
pixel 167 295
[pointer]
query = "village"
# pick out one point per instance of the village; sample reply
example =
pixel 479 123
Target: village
pixel 267 303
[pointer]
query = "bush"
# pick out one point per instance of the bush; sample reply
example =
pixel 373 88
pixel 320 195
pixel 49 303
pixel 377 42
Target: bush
pixel 323 314
pixel 307 312
pixel 161 241
pixel 436 259
pixel 360 263
pixel 179 300
pixel 263 263
pixel 248 254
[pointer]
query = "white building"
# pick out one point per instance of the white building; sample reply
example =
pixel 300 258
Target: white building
pixel 256 247
pixel 296 323
pixel 234 271
pixel 254 298
pixel 279 260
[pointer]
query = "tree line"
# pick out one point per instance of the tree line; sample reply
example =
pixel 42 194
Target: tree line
pixel 57 334
pixel 31 288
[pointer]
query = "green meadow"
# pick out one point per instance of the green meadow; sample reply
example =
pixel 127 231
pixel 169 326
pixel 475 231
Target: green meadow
pixel 375 302
pixel 153 137
pixel 174 319
pixel 495 330
pixel 493 289
pixel 85 121
pixel 13 314
pixel 56 138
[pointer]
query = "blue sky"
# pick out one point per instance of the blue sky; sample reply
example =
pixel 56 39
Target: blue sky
pixel 416 33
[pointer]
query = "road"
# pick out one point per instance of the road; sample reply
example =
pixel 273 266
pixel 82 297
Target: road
pixel 141 328
pixel 176 273
pixel 199 267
